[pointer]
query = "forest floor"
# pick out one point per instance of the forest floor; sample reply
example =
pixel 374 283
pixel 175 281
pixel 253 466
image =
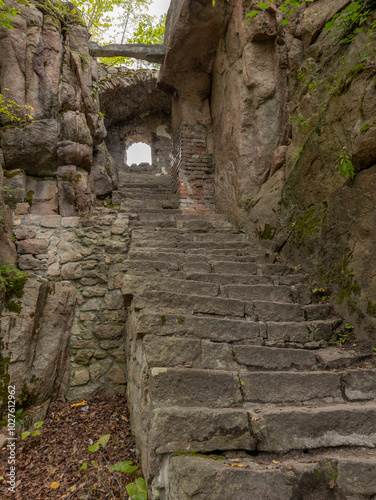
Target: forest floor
pixel 52 464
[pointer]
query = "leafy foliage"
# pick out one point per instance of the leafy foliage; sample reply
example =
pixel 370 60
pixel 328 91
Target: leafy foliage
pixel 12 281
pixel 7 15
pixel 349 22
pixel 345 165
pixel 287 8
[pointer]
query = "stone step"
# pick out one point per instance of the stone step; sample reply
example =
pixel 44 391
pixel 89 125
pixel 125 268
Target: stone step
pixel 216 266
pixel 225 389
pixel 276 429
pixel 234 330
pixel 155 217
pixel 281 429
pixel 134 177
pixel 220 252
pixel 241 279
pixel 167 302
pixel 133 205
pixel 257 310
pixel 157 184
pixel 291 428
pixel 145 196
pixel 189 245
pixel 275 293
pixel 133 285
pixel 144 210
pixel 182 258
pixel 164 351
pixel 341 475
pixel 181 235
pixel 195 226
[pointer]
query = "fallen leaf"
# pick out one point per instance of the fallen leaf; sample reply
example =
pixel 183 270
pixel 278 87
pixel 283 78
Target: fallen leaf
pixel 277 461
pixel 72 489
pixel 289 467
pixel 234 460
pixel 124 418
pixel 76 405
pixel 257 410
pixel 55 485
pixel 256 418
pixel 332 483
pixel 234 465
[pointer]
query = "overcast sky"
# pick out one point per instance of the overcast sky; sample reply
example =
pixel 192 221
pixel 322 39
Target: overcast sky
pixel 159 7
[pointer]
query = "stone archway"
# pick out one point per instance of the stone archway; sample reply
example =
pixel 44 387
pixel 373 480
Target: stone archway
pixel 136 111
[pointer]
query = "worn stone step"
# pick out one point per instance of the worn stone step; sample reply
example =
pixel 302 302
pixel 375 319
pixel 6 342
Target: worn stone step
pixel 163 351
pixel 236 330
pixel 214 329
pixel 179 429
pixel 194 245
pixel 242 279
pixel 182 235
pixel 182 258
pixel 148 185
pixel 275 293
pixel 221 252
pixel 165 267
pixel 168 302
pixel 131 205
pixel 292 428
pixel 281 333
pixel 281 429
pixel 145 195
pixel 133 285
pixel 341 475
pixel 221 389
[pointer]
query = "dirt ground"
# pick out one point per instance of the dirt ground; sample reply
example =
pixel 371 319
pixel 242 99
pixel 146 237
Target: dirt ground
pixel 52 464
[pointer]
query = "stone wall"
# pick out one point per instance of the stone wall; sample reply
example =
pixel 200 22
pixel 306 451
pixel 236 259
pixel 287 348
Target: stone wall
pixel 278 177
pixel 67 337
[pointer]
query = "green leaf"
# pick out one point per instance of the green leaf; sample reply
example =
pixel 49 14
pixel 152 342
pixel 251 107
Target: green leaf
pixel 25 434
pixel 141 484
pixel 103 440
pixel 329 25
pixel 132 489
pixel 36 433
pixel 83 466
pixel 285 21
pixel 38 425
pixel 94 447
pixel 139 496
pixel 123 467
pixel 263 5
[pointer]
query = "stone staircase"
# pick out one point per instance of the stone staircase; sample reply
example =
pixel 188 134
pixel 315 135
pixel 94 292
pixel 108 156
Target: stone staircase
pixel 233 391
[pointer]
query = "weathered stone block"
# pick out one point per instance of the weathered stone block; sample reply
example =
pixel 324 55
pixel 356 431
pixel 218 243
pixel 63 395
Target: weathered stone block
pixel 32 246
pixel 71 271
pixel 190 387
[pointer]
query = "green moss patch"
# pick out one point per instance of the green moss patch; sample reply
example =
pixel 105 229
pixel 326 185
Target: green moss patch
pixel 345 82
pixel 267 233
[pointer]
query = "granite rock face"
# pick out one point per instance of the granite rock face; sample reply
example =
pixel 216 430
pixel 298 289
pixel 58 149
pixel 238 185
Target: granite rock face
pixel 278 98
pixel 45 64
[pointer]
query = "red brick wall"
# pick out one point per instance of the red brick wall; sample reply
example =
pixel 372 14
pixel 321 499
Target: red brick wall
pixel 193 170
